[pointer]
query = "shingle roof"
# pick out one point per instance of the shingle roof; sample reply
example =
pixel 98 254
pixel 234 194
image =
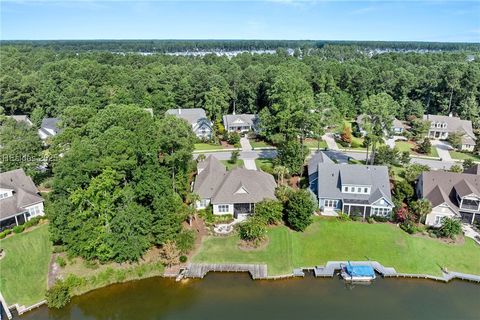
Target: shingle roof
pixel 454 124
pixel 239 119
pixel 21 118
pixel 210 176
pixel 317 158
pixel 221 186
pixel 50 124
pixel 25 192
pixel 441 186
pixel 192 115
pixel 257 185
pixel 331 177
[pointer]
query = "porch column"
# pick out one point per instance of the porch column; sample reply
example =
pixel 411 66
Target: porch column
pixel 473 218
pixel 349 207
pixel 461 202
pixel 16 220
pixel 364 211
pixel 24 217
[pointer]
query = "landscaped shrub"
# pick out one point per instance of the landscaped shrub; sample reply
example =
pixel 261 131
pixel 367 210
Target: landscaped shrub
pixel 252 230
pixel 18 229
pixel 5 233
pixel 343 217
pixel 183 259
pixel 299 210
pixel 233 138
pixel 61 262
pixel 381 219
pixel 58 249
pixel 58 295
pixel 355 144
pixel 450 228
pixel 370 220
pixel 356 218
pixel 91 264
pixel 32 222
pixel 269 211
pixel 185 240
pixel 408 227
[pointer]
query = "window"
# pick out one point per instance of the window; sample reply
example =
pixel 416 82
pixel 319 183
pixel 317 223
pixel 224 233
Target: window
pixel 34 210
pixel 365 190
pixel 359 190
pixel 383 212
pixel 432 125
pixel 203 203
pixel 345 189
pixel 3 195
pixel 223 207
pixel 438 220
pixel 444 125
pixel 352 189
pixel 331 203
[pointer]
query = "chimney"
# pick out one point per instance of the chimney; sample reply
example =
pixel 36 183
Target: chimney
pixel 450 114
pixel 179 111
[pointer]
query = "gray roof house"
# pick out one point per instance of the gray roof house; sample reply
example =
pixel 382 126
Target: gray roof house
pixel 22 118
pixel 48 128
pixel 398 127
pixel 454 195
pixel 197 118
pixel 356 190
pixel 240 122
pixel 19 199
pixel 441 126
pixel 231 192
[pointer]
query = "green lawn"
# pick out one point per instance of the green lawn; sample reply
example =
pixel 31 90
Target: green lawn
pixel 313 144
pixel 230 166
pixel 264 164
pixel 464 155
pixel 207 146
pixel 259 144
pixel 328 240
pixel 25 266
pixel 410 146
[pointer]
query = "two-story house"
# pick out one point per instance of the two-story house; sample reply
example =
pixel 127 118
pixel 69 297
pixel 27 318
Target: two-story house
pixel 232 192
pixel 197 118
pixel 453 195
pixel 19 199
pixel 240 122
pixel 355 190
pixel 442 126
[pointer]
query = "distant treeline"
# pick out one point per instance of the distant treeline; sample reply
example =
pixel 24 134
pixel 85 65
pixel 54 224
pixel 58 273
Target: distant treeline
pixel 228 45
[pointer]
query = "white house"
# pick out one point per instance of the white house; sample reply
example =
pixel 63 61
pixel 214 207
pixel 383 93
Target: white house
pixel 442 126
pixel 48 128
pixel 19 199
pixel 240 122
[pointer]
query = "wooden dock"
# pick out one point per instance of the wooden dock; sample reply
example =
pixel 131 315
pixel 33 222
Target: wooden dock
pixel 332 266
pixel 199 270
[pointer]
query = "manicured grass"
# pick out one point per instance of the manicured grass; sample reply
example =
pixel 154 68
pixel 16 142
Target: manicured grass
pixel 259 144
pixel 24 268
pixel 207 146
pixel 264 164
pixel 329 240
pixel 230 166
pixel 464 155
pixel 398 172
pixel 410 147
pixel 313 144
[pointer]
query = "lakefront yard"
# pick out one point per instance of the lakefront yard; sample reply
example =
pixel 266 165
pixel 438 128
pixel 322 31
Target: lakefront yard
pixel 330 239
pixel 24 268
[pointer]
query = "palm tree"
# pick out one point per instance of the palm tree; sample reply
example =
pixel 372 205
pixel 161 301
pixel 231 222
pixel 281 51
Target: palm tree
pixel 280 172
pixel 422 208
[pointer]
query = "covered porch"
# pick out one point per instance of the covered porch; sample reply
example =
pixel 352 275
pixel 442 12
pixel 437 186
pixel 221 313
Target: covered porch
pixel 243 209
pixel 356 208
pixel 14 220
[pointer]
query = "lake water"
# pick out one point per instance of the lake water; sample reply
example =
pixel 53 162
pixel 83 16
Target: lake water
pixel 235 296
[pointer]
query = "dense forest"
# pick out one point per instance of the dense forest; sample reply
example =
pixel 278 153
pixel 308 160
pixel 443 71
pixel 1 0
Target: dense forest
pixel 121 177
pixel 230 45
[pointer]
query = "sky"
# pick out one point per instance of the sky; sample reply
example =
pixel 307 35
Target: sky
pixel 434 20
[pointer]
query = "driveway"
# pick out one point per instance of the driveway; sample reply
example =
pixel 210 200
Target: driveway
pixel 330 140
pixel 247 154
pixel 245 143
pixel 443 149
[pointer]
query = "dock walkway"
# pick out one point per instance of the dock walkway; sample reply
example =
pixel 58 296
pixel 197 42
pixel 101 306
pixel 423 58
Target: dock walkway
pixel 198 270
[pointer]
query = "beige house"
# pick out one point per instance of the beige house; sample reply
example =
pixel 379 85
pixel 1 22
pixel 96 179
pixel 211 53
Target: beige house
pixel 453 195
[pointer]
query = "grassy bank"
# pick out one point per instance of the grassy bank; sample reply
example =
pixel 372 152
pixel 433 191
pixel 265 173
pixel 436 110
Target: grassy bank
pixel 25 266
pixel 410 147
pixel 464 156
pixel 230 166
pixel 329 240
pixel 207 146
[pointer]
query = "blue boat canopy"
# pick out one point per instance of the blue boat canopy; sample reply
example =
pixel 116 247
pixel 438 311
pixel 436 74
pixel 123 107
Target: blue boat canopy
pixel 360 271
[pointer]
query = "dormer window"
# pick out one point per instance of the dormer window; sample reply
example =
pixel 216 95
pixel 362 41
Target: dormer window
pixel 439 125
pixel 444 125
pixel 356 189
pixel 3 195
pixel 432 125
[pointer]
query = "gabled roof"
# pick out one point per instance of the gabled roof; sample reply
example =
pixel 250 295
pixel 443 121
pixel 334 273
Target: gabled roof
pixel 239 119
pixel 442 186
pixel 22 118
pixel 454 124
pixel 210 176
pixel 319 157
pixel 25 193
pixel 257 184
pixel 50 124
pixel 192 116
pixel 332 176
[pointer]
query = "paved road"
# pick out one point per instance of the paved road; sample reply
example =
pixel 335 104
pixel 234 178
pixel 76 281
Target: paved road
pixel 330 140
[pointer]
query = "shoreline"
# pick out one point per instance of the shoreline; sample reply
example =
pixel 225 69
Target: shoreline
pixel 327 271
